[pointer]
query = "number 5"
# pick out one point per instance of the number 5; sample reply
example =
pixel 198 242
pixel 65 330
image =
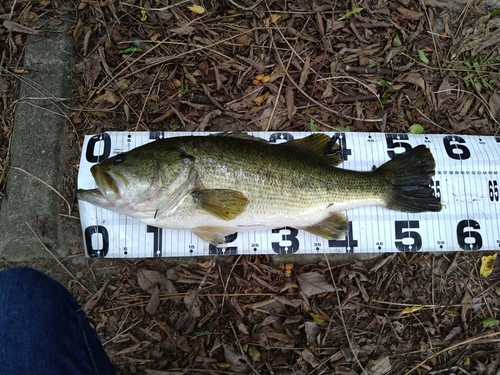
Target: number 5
pixel 404 237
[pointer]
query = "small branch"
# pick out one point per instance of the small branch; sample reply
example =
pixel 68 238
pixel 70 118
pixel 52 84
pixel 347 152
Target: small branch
pixel 57 260
pixel 345 100
pixel 315 68
pixel 466 342
pixel 377 70
pixel 46 184
pixel 183 321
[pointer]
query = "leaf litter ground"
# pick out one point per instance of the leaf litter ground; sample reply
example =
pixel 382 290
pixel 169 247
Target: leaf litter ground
pixel 242 66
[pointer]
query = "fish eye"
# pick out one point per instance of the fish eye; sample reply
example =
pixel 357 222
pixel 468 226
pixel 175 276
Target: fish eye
pixel 119 158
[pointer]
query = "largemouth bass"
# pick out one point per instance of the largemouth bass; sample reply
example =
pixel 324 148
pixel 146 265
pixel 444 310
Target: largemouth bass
pixel 218 185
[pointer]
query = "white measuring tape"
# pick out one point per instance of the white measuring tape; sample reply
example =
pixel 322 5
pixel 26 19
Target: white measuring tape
pixel 467 182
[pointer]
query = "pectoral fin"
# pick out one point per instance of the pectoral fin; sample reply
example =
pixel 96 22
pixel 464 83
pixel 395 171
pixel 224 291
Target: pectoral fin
pixel 223 203
pixel 331 228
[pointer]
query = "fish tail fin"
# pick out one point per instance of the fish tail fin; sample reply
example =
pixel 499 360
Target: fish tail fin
pixel 409 176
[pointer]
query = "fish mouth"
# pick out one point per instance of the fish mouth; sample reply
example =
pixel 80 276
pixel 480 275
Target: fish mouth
pixel 109 184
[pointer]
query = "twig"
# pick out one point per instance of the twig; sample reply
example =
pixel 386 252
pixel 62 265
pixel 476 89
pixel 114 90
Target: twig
pixel 203 280
pixel 345 100
pixel 364 372
pixel 315 68
pixel 245 8
pixel 325 49
pixel 162 60
pixel 280 62
pixel 376 70
pixel 57 260
pixel 46 184
pixel 276 101
pixel 466 342
pixel 480 98
pixel 432 35
pixel 146 100
pixel 227 283
pixel 157 9
pixel 242 352
pixel 12 9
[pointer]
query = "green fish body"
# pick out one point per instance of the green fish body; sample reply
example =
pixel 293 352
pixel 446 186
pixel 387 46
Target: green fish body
pixel 218 185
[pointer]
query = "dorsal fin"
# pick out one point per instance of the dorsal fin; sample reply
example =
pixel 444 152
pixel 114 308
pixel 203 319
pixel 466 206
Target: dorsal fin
pixel 239 135
pixel 318 146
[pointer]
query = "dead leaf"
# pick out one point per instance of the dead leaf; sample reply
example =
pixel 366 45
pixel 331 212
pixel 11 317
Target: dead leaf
pixel 310 358
pixel 278 72
pixel 455 331
pixel 379 366
pixel 238 361
pixel 305 72
pixel 487 263
pixel 274 18
pixel 15 27
pixel 153 302
pixel 272 306
pixel 261 99
pixel 411 310
pixel 268 119
pixel 129 349
pixel 464 105
pixel 254 353
pixel 91 69
pixel 410 14
pixel 466 304
pixel 435 4
pixel 382 262
pixel 183 30
pixel 317 318
pixel 243 329
pixel 197 9
pixel 283 338
pixel 494 105
pixel 290 108
pixel 207 119
pixel 108 96
pixel 182 342
pixel 293 319
pixel 288 269
pixel 193 304
pixel 92 301
pixel 313 283
pixel 444 92
pixel 249 94
pixel 312 331
pixel 412 77
pixel 148 280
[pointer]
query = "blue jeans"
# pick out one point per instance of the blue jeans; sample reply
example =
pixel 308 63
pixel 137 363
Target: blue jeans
pixel 43 329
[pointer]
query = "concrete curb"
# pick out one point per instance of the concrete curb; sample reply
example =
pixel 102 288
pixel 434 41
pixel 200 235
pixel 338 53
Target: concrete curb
pixel 37 143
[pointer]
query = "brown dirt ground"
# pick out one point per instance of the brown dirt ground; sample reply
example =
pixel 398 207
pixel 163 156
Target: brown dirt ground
pixel 384 68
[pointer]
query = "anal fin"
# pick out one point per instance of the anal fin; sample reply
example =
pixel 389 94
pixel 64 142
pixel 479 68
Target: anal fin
pixel 213 235
pixel 331 228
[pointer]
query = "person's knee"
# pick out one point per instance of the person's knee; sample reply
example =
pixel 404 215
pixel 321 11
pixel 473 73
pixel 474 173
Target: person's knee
pixel 25 282
pixel 20 275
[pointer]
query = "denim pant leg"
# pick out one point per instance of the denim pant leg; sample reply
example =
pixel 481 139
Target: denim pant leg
pixel 43 329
